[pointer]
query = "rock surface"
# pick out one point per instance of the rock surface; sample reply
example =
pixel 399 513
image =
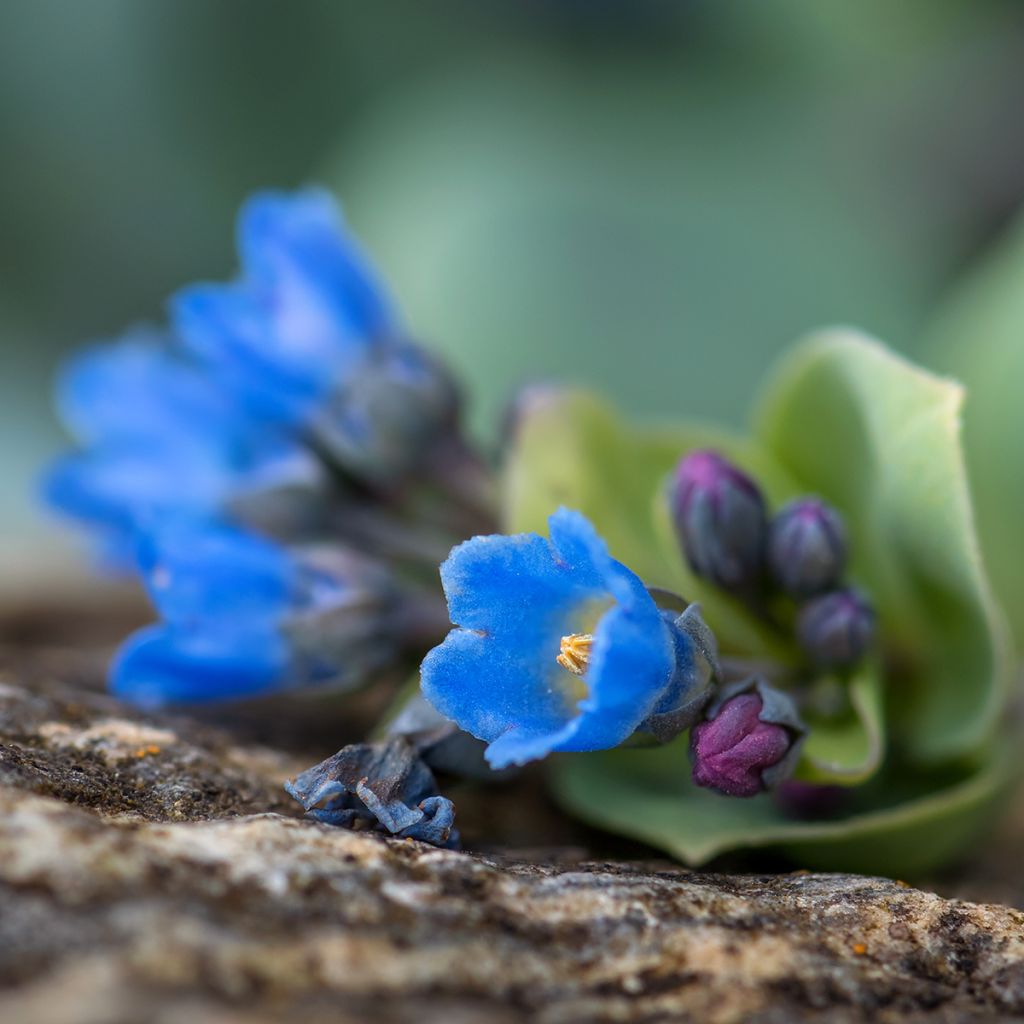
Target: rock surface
pixel 151 869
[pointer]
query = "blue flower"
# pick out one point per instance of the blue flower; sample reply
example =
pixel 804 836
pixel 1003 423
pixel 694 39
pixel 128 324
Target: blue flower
pixel 243 616
pixel 557 646
pixel 307 336
pixel 161 439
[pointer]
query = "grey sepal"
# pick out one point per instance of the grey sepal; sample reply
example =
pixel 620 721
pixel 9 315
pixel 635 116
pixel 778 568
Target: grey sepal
pixel 442 744
pixel 692 623
pixel 666 727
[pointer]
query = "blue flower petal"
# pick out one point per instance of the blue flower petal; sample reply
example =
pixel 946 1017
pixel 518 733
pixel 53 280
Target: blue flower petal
pixel 118 485
pixel 298 243
pixel 491 689
pixel 233 330
pixel 525 583
pixel 200 573
pixel 161 665
pixel 136 388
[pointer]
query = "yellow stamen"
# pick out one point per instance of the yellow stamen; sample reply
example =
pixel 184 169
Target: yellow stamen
pixel 575 652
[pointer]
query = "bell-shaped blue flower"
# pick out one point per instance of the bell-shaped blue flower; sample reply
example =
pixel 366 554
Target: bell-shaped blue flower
pixel 307 337
pixel 162 440
pixel 243 616
pixel 558 646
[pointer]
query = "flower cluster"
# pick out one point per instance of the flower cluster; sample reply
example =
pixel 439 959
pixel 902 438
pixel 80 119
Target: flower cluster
pixel 238 458
pixel 800 553
pixel 795 558
pixel 268 463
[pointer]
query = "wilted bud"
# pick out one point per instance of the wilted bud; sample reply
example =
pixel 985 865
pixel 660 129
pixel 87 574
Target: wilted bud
pixel 383 785
pixel 836 629
pixel 749 741
pixel 720 519
pixel 807 547
pixel 696 667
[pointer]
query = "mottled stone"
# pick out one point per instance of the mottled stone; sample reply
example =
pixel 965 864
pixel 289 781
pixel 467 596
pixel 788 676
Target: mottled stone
pixel 151 869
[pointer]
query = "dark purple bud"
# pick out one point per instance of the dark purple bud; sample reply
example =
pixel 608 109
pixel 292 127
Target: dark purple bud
pixel 748 742
pixel 720 519
pixel 807 547
pixel 836 629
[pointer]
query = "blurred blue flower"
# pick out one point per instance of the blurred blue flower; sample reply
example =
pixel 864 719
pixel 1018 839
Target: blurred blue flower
pixel 307 336
pixel 557 646
pixel 243 616
pixel 161 439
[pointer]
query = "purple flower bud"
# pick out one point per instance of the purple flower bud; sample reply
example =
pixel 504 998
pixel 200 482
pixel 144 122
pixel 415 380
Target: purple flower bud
pixel 720 519
pixel 836 629
pixel 749 741
pixel 807 547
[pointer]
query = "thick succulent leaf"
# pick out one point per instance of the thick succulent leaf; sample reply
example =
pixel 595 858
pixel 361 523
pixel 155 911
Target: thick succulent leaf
pixel 648 795
pixel 880 438
pixel 847 749
pixel 572 449
pixel 979 337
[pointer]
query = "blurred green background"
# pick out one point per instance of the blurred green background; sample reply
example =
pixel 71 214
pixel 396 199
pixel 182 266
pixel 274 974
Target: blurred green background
pixel 651 197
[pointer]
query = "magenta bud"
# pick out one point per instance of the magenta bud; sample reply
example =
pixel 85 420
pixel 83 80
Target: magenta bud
pixel 836 629
pixel 748 742
pixel 720 519
pixel 807 547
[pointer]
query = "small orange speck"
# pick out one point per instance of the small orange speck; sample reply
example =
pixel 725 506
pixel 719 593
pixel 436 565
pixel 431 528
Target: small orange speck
pixel 859 948
pixel 152 749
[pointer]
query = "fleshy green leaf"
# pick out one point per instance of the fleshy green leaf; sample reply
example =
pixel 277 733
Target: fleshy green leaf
pixel 648 795
pixel 880 438
pixel 979 336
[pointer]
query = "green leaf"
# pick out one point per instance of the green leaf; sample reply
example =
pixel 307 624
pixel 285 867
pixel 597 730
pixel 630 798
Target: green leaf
pixel 847 749
pixel 979 336
pixel 648 795
pixel 880 438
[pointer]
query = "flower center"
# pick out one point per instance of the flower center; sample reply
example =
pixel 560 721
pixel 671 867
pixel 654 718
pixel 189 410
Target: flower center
pixel 575 652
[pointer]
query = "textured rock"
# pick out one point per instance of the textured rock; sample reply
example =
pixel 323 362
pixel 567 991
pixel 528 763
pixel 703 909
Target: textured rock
pixel 152 870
